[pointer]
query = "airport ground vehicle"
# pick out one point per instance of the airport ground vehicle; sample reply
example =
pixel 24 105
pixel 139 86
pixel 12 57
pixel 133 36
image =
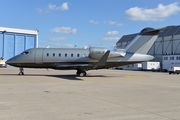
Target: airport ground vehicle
pixel 3 63
pixel 151 65
pixel 174 70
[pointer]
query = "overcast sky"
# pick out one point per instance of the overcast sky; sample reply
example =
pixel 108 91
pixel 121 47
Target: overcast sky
pixel 87 22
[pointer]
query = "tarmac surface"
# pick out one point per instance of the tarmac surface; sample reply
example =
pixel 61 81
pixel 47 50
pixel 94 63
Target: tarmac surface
pixel 102 95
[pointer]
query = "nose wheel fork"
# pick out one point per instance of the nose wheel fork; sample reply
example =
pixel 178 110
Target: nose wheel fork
pixel 21 71
pixel 81 73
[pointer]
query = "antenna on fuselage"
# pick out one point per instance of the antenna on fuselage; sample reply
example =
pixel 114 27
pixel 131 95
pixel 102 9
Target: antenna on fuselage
pixel 86 47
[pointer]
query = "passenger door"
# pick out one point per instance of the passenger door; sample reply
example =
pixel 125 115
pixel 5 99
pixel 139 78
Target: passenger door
pixel 39 56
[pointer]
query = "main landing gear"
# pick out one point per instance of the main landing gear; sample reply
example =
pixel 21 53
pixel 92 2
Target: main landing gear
pixel 81 73
pixel 21 71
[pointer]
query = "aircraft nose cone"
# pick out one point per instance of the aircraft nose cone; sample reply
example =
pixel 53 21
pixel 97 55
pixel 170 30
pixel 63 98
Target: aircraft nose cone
pixel 11 61
pixel 8 61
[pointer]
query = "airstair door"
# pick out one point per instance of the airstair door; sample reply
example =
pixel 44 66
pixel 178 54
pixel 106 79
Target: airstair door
pixel 39 56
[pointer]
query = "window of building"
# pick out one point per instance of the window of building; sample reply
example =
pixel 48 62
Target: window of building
pixel 171 58
pixel 66 55
pixel 178 58
pixel 53 54
pixel 59 54
pixel 47 54
pixel 71 55
pixel 165 58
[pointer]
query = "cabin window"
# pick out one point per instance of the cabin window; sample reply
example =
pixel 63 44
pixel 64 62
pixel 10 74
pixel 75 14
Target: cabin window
pixel 47 54
pixel 59 54
pixel 78 55
pixel 71 55
pixel 53 54
pixel 66 55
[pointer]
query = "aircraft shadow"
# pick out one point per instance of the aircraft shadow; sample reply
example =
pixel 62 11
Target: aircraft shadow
pixel 66 77
pixel 74 77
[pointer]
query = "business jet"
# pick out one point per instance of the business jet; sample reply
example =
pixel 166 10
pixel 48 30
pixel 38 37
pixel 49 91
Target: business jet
pixel 84 59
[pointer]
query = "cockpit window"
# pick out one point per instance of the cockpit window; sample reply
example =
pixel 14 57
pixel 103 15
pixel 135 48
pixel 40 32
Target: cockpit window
pixel 25 53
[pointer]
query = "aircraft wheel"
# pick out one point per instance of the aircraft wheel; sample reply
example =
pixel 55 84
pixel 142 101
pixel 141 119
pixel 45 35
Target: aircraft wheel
pixel 81 74
pixel 21 73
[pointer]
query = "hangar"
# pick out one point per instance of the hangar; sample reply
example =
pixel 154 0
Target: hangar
pixel 167 43
pixel 13 41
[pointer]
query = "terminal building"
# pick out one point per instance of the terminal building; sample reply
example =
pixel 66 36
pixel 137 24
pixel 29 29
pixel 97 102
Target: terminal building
pixel 13 41
pixel 166 46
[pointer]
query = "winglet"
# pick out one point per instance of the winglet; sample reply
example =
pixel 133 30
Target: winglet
pixel 103 59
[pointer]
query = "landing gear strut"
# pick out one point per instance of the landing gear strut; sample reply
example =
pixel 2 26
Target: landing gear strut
pixel 21 71
pixel 81 73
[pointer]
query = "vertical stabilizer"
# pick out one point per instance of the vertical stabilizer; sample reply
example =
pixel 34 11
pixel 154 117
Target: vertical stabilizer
pixel 143 41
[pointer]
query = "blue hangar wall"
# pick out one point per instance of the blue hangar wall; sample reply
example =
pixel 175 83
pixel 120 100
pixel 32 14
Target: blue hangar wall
pixel 14 41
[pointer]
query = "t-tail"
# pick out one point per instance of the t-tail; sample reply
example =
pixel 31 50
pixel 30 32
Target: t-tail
pixel 143 41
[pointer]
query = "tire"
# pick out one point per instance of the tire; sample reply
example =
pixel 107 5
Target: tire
pixel 82 74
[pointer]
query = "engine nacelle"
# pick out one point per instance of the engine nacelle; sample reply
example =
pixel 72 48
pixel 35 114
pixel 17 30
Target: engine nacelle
pixel 96 53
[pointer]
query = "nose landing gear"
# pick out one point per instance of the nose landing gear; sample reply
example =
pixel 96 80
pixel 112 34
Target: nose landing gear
pixel 21 71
